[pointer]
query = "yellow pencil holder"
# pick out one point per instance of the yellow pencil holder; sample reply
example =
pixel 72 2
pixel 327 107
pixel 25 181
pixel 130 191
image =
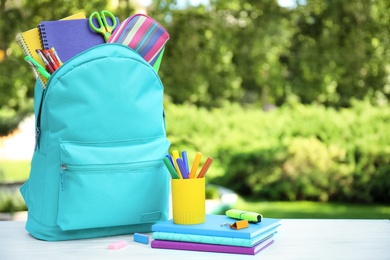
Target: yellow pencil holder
pixel 188 201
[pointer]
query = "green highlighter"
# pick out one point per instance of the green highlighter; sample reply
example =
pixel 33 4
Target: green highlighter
pixel 244 215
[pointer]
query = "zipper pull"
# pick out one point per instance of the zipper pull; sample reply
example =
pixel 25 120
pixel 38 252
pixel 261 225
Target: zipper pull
pixel 63 167
pixel 37 134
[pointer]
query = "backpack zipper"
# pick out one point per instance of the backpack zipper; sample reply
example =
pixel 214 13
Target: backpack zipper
pixel 101 168
pixel 38 122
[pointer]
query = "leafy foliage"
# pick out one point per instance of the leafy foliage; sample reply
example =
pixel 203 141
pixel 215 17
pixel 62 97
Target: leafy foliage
pixel 291 153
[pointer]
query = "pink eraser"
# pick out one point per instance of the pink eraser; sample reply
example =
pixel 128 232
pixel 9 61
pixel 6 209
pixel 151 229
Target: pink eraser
pixel 117 245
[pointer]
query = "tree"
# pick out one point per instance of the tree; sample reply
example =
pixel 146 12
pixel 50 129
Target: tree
pixel 17 80
pixel 340 50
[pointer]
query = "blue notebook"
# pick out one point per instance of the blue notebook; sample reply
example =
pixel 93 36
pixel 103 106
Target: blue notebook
pixel 213 226
pixel 218 240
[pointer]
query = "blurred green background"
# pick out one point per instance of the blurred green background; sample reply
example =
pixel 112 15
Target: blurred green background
pixel 291 102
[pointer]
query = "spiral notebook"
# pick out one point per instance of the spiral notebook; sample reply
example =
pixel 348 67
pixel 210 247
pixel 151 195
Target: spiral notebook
pixel 69 37
pixel 30 40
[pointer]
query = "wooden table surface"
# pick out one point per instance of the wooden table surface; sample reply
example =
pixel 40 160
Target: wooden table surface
pixel 296 239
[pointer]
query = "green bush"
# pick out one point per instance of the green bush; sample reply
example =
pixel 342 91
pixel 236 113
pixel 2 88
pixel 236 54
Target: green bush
pixel 290 153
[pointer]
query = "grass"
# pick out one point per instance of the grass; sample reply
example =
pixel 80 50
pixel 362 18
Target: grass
pixel 318 210
pixel 14 171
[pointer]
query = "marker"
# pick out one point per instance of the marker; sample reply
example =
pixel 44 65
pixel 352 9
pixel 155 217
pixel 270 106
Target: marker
pixel 205 167
pixel 50 59
pixel 37 66
pixel 175 155
pixel 182 168
pixel 240 214
pixel 56 55
pixel 170 168
pixel 185 160
pixel 170 159
pixel 195 165
pixel 44 59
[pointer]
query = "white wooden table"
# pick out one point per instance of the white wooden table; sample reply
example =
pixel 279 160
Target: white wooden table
pixel 296 239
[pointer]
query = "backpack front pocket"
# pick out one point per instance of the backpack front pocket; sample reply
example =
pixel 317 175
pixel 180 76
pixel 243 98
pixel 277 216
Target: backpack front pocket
pixel 112 184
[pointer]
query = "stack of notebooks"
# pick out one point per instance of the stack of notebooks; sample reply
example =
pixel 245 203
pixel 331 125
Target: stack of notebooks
pixel 69 37
pixel 214 235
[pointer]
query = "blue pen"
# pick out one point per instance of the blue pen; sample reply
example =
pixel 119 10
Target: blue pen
pixel 182 168
pixel 185 159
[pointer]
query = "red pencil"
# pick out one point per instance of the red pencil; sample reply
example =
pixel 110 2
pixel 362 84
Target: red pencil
pixel 205 167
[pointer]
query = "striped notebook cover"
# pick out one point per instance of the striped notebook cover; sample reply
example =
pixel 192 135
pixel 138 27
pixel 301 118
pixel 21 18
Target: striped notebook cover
pixel 142 34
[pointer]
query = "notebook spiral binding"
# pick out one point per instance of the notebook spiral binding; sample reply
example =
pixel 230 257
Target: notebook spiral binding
pixel 27 52
pixel 21 41
pixel 44 41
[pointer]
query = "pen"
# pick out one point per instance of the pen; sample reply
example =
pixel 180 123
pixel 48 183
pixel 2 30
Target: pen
pixel 182 167
pixel 205 167
pixel 171 170
pixel 50 59
pixel 37 66
pixel 170 159
pixel 175 155
pixel 56 55
pixel 43 58
pixel 185 160
pixel 195 165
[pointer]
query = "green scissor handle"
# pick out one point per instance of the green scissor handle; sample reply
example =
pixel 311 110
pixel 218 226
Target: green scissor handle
pixel 104 27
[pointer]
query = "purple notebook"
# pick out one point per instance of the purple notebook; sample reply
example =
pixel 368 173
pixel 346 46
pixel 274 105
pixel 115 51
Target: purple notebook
pixel 69 37
pixel 166 244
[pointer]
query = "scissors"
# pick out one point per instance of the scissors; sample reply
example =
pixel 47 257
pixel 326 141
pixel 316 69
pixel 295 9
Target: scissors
pixel 104 28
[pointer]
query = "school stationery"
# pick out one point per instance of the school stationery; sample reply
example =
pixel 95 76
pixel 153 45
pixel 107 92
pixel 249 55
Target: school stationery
pixel 206 239
pixel 239 224
pixel 164 244
pixel 68 37
pixel 97 168
pixel 170 168
pixel 188 201
pixel 175 156
pixel 195 165
pixel 45 60
pixel 106 23
pixel 37 67
pixel 205 167
pixel 30 40
pixel 144 35
pixel 212 226
pixel 240 214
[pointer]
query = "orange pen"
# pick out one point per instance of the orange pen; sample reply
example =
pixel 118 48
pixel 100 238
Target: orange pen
pixel 205 167
pixel 195 165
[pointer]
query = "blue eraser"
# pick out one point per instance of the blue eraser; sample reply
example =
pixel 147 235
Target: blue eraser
pixel 141 238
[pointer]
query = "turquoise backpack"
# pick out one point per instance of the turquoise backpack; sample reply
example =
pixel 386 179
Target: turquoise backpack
pixel 97 168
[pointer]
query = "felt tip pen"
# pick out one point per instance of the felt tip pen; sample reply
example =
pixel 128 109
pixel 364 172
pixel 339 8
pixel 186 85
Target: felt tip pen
pixel 37 66
pixel 50 58
pixel 205 167
pixel 195 164
pixel 185 160
pixel 170 168
pixel 244 215
pixel 175 155
pixel 183 169
pixel 44 59
pixel 56 55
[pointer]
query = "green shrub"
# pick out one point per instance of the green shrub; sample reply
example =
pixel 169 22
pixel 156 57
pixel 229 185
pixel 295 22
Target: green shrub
pixel 290 153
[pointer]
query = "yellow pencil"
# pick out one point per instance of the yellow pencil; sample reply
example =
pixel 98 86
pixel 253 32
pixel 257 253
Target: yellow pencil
pixel 195 165
pixel 175 155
